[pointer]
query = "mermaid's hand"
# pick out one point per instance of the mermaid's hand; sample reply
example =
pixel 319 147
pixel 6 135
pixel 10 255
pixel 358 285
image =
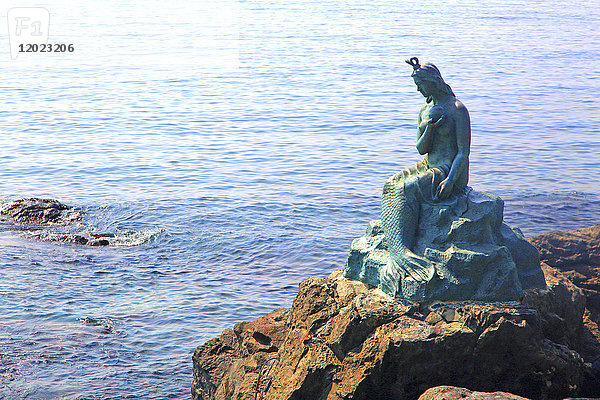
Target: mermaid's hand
pixel 444 190
pixel 437 123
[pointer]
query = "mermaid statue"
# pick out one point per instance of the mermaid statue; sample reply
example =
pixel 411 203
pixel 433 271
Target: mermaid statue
pixel 438 239
pixel 443 137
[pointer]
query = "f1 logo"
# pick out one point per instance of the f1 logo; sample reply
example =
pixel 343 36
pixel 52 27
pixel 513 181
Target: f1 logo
pixel 27 25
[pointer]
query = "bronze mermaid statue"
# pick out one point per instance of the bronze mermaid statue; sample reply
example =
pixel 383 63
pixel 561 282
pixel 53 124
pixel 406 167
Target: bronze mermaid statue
pixel 444 138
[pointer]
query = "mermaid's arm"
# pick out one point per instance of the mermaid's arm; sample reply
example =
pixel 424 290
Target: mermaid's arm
pixel 424 139
pixel 463 143
pixel 425 134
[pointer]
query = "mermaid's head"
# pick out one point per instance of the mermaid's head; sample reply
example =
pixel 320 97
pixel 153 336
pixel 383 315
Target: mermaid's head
pixel 428 79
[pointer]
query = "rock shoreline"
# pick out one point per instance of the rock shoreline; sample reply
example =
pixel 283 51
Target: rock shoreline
pixel 343 339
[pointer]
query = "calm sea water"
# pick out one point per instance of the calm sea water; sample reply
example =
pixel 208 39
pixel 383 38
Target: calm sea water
pixel 245 145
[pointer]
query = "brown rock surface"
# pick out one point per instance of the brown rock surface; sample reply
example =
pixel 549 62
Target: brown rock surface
pixel 35 211
pixel 456 393
pixel 42 218
pixel 577 255
pixel 345 340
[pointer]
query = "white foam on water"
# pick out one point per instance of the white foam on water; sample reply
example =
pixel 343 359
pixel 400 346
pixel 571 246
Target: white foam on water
pixel 125 238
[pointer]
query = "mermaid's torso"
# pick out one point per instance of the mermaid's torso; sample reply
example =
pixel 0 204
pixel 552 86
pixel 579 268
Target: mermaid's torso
pixel 444 147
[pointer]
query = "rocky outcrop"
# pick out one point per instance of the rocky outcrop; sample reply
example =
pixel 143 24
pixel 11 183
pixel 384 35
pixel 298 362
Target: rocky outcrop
pixel 50 221
pixel 456 393
pixel 475 255
pixel 577 255
pixel 346 339
pixel 35 211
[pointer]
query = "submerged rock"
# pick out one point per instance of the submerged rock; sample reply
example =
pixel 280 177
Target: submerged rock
pixel 51 221
pixel 107 324
pixel 476 256
pixel 346 339
pixel 36 211
pixel 82 237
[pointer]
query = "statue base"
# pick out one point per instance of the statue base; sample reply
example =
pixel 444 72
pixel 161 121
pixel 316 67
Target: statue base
pixel 476 256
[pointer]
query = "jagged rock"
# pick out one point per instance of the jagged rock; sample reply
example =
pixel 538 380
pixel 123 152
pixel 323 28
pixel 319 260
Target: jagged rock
pixel 575 256
pixel 42 218
pixel 344 339
pixel 476 256
pixel 35 211
pixel 456 393
pixel 240 361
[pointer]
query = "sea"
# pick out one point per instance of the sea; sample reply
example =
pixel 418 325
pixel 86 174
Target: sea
pixel 238 147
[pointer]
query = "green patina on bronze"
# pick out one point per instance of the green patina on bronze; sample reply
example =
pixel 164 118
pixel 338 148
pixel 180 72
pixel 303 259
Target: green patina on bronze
pixel 438 239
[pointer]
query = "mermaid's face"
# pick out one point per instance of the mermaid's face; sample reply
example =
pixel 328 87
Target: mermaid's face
pixel 423 87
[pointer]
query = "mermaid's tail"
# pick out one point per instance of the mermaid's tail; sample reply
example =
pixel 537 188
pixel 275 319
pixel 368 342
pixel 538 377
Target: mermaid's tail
pixel 400 217
pixel 408 267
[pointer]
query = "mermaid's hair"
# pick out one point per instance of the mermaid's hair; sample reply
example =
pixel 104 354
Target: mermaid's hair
pixel 429 72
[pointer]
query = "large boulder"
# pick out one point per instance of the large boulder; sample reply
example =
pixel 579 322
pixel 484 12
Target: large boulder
pixel 476 256
pixel 344 339
pixel 577 255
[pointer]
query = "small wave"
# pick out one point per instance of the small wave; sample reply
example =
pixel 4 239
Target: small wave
pixel 90 237
pixel 106 323
pixel 126 238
